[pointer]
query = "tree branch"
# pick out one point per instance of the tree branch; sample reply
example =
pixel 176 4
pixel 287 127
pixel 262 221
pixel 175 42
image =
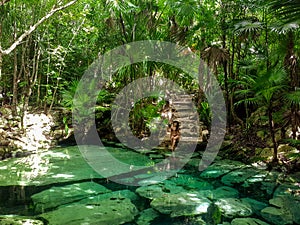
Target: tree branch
pixel 33 28
pixel 2 2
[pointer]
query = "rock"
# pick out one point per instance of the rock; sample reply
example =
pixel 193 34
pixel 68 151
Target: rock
pixel 271 181
pixel 191 183
pixel 285 148
pixel 257 178
pixel 194 162
pixel 35 134
pixel 225 192
pixel 57 196
pixel 102 209
pixel 238 176
pixel 233 207
pixel 147 216
pixel 277 216
pixel 206 194
pixel 288 205
pixel 264 153
pixel 156 156
pixel 260 165
pixel 158 190
pixel 255 205
pixel 286 189
pixel 150 192
pixel 221 168
pixel 121 194
pixel 247 221
pixel 181 204
pixel 268 187
pixel 18 220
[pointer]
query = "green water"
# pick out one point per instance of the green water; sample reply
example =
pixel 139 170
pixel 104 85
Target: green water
pixel 48 185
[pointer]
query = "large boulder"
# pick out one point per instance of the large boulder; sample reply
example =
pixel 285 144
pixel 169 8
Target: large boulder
pixel 57 196
pixel 106 209
pixel 150 192
pixel 285 210
pixel 191 183
pixel 221 168
pixel 225 192
pixel 233 207
pixel 181 204
pixel 247 221
pixel 238 176
pixel 158 190
pixel 277 216
pixel 255 205
pixel 147 216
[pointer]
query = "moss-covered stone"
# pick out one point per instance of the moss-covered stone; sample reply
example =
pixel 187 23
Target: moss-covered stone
pixel 57 196
pixel 98 210
pixel 18 220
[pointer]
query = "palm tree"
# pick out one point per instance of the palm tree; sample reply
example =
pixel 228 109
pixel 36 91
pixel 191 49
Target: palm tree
pixel 265 89
pixel 289 10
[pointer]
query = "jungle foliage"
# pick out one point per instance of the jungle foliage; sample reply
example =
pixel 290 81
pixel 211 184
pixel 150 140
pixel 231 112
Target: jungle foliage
pixel 252 47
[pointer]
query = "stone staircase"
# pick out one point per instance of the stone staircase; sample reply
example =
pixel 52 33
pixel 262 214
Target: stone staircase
pixel 184 111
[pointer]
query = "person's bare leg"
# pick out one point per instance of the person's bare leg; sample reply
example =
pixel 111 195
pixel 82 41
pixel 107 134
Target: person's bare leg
pixel 173 144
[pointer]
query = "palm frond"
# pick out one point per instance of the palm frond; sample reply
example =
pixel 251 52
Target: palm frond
pixel 288 10
pixel 284 28
pixel 246 27
pixel 248 101
pixel 293 98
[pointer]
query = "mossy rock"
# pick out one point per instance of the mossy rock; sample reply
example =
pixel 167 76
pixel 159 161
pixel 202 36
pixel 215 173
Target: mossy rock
pixel 286 148
pixel 17 220
pixel 263 153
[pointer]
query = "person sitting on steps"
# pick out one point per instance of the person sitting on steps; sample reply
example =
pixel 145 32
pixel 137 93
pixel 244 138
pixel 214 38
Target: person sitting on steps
pixel 174 134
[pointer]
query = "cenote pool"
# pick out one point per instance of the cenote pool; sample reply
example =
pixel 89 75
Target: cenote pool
pixel 58 186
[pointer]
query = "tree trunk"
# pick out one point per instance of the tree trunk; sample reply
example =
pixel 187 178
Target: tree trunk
pixel 1 54
pixel 290 63
pixel 272 132
pixel 15 77
pixel 1 60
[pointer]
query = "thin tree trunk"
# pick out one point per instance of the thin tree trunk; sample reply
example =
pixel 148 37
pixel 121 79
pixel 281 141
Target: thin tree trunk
pixel 15 77
pixel 293 122
pixel 225 68
pixel 272 132
pixel 290 62
pixel 1 61
pixel 1 55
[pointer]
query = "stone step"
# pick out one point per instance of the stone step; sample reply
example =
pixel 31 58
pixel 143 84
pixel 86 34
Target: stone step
pixel 184 114
pixel 177 96
pixel 184 139
pixel 188 131
pixel 182 101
